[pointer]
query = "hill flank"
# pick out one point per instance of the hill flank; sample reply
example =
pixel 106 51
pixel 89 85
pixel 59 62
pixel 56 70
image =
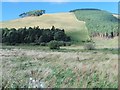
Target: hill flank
pixel 73 27
pixel 97 20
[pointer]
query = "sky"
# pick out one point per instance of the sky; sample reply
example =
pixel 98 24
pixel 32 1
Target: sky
pixel 11 10
pixel 60 0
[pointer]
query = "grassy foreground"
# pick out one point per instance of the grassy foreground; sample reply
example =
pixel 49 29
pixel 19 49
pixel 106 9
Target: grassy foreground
pixel 69 67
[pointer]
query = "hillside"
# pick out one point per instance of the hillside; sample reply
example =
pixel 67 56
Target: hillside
pixel 97 20
pixel 74 28
pixel 77 24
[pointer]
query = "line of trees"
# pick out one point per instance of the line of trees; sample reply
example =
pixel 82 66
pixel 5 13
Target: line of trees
pixel 33 35
pixel 32 13
pixel 105 35
pixel 85 9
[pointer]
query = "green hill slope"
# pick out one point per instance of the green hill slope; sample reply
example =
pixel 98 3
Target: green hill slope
pixel 73 27
pixel 97 20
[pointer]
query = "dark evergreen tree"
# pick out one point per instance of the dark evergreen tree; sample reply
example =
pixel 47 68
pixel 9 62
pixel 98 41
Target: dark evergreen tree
pixel 33 35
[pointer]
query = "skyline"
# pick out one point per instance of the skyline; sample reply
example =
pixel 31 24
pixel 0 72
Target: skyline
pixel 11 10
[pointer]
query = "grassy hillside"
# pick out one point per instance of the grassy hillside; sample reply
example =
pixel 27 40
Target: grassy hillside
pixel 74 28
pixel 97 20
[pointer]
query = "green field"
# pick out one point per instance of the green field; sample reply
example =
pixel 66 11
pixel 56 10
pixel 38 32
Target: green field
pixel 98 20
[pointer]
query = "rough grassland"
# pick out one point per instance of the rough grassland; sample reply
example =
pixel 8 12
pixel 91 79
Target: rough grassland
pixel 74 28
pixel 67 68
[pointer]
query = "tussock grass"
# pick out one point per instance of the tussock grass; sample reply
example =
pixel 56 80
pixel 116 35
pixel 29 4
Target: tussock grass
pixel 60 69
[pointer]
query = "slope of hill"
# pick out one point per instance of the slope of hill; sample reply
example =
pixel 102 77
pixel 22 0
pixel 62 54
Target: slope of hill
pixel 73 27
pixel 97 20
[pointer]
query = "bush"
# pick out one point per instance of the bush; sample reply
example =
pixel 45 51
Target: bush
pixel 42 44
pixel 54 45
pixel 68 43
pixel 61 43
pixel 89 46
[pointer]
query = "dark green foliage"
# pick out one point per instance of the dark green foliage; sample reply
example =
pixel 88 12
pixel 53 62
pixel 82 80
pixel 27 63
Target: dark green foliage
pixel 98 21
pixel 54 45
pixel 43 44
pixel 33 35
pixel 59 35
pixel 32 13
pixel 85 9
pixel 63 43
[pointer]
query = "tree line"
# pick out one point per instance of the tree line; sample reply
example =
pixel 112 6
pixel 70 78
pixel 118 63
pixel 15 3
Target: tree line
pixel 85 9
pixel 32 13
pixel 33 35
pixel 104 35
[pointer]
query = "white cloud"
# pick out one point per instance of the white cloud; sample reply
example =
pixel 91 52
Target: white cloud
pixel 60 1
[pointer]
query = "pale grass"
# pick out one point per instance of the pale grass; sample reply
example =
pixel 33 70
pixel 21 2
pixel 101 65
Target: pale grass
pixel 50 64
pixel 44 61
pixel 67 21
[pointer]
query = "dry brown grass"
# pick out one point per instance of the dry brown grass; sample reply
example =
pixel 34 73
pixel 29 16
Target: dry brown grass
pixel 60 20
pixel 67 21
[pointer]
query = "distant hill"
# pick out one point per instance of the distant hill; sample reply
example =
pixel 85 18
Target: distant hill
pixel 73 27
pixel 85 9
pixel 97 20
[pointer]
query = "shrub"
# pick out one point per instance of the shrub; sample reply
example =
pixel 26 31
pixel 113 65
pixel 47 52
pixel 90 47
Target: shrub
pixel 68 43
pixel 61 43
pixel 89 46
pixel 54 45
pixel 42 44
